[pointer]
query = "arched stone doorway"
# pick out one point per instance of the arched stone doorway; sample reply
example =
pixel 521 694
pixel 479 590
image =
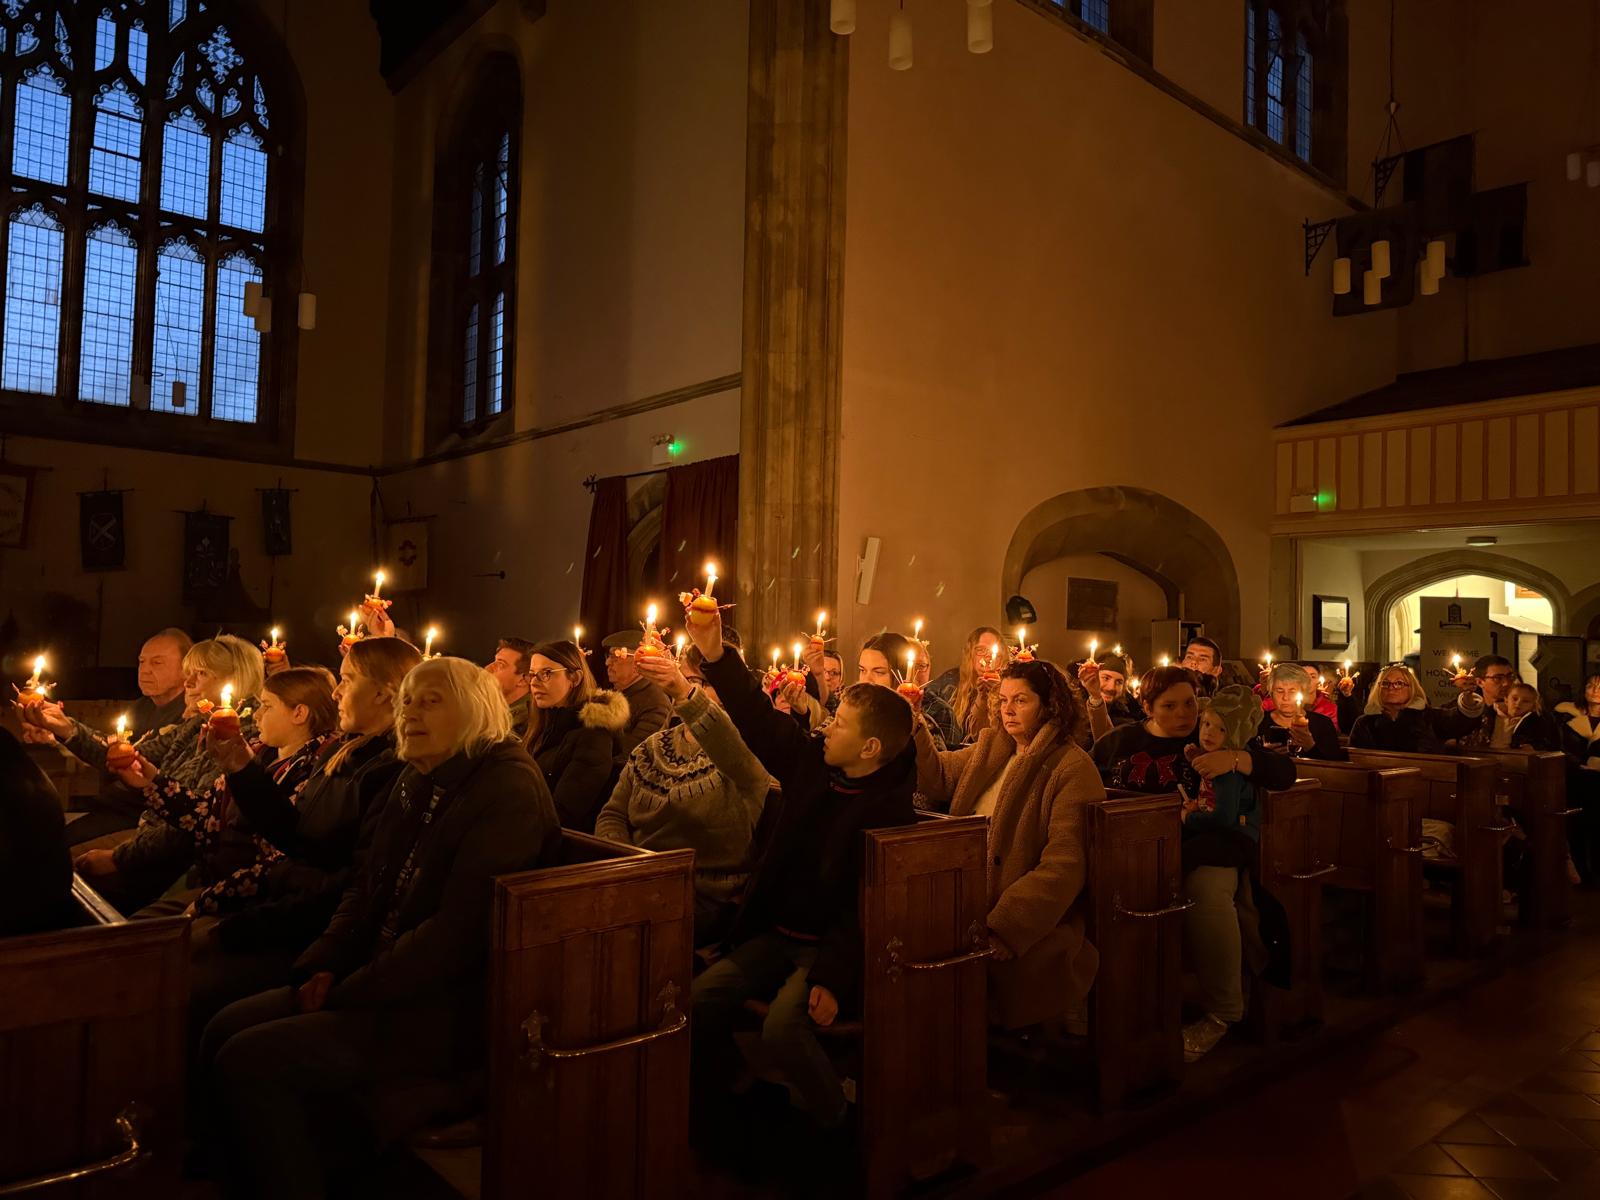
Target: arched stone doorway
pixel 1145 530
pixel 1387 590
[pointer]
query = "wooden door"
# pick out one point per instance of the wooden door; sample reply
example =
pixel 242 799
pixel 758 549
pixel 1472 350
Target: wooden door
pixel 92 1058
pixel 589 1042
pixel 924 898
pixel 1135 883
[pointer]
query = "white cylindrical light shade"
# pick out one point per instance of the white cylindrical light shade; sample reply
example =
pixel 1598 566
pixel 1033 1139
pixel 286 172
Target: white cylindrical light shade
pixel 1341 276
pixel 264 318
pixel 1371 288
pixel 252 299
pixel 1381 265
pixel 842 16
pixel 1430 281
pixel 900 41
pixel 308 310
pixel 1592 172
pixel 1575 166
pixel 980 28
pixel 1435 258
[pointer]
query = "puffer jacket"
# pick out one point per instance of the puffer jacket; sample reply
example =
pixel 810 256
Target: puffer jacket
pixel 577 751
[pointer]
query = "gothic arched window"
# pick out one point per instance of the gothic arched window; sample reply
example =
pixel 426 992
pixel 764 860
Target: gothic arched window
pixel 474 254
pixel 144 143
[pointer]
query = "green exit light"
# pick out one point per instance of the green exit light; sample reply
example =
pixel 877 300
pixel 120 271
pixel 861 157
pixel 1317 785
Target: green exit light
pixel 1325 499
pixel 674 448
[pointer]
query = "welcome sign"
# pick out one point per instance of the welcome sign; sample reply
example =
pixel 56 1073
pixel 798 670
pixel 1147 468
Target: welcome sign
pixel 1451 626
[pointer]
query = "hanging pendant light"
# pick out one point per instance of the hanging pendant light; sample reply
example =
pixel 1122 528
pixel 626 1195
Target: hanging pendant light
pixel 1592 173
pixel 1575 166
pixel 308 310
pixel 980 27
pixel 1371 288
pixel 1341 276
pixel 900 41
pixel 1381 265
pixel 252 299
pixel 264 317
pixel 842 16
pixel 1430 281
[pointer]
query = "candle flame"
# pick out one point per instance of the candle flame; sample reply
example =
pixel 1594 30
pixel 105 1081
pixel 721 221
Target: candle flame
pixel 994 653
pixel 822 619
pixel 355 615
pixel 122 725
pixel 1094 644
pixel 1166 660
pixel 1269 660
pixel 38 667
pixel 650 615
pixel 1022 637
pixel 916 629
pixel 680 643
pixel 1117 649
pixel 377 582
pixel 577 635
pixel 1300 698
pixel 795 649
pixel 274 635
pixel 227 695
pixel 776 653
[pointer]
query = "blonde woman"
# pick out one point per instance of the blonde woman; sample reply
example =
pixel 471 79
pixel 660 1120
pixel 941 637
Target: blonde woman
pixel 392 993
pixel 1398 718
pixel 139 870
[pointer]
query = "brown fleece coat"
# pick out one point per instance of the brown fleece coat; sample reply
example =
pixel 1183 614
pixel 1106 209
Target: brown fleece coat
pixel 1036 864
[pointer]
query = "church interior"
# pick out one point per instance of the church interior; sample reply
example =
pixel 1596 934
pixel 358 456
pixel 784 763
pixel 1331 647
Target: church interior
pixel 481 718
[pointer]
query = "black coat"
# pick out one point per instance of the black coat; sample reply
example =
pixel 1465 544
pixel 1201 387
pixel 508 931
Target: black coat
pixel 1324 738
pixel 35 865
pixel 1412 731
pixel 795 760
pixel 317 833
pixel 468 821
pixel 577 750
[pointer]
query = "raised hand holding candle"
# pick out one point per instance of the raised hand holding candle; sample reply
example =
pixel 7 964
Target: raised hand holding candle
pixel 650 645
pixel 34 691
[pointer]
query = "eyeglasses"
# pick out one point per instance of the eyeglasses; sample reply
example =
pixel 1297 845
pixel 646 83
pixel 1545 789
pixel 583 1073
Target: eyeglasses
pixel 1394 684
pixel 544 676
pixel 1501 677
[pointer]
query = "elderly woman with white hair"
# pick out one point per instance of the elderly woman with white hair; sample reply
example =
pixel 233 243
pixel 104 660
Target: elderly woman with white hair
pixel 1398 718
pixel 156 858
pixel 391 998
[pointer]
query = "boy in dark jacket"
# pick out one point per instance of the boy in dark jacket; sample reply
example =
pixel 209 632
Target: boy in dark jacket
pixel 796 942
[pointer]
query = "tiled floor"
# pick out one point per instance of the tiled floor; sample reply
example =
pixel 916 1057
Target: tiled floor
pixel 1492 1095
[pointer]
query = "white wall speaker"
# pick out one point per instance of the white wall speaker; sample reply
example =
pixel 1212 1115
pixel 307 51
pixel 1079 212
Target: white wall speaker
pixel 869 570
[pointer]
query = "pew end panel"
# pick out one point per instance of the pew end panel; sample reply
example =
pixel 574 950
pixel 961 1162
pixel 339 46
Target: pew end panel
pixel 1373 835
pixel 924 904
pixel 1293 870
pixel 1135 889
pixel 1461 790
pixel 92 1022
pixel 1533 784
pixel 589 978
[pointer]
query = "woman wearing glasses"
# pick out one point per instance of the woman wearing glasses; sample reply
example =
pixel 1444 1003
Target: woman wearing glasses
pixel 1398 717
pixel 574 731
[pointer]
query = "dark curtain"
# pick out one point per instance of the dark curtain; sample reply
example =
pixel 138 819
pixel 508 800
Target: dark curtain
pixel 604 608
pixel 700 523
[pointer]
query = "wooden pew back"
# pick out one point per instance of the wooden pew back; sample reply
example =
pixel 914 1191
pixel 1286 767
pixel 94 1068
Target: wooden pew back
pixel 1293 871
pixel 589 995
pixel 1534 783
pixel 924 899
pixel 1373 836
pixel 1461 790
pixel 91 1055
pixel 1135 890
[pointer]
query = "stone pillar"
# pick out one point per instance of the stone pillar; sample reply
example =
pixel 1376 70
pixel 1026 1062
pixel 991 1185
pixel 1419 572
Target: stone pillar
pixel 793 278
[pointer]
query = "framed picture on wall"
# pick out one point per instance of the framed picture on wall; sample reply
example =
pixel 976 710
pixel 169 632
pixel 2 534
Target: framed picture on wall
pixel 1330 617
pixel 16 491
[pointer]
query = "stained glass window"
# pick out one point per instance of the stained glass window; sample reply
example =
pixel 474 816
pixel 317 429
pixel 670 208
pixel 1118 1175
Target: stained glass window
pixel 150 264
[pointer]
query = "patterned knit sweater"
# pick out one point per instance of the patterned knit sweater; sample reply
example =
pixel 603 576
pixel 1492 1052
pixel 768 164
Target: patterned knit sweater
pixel 695 786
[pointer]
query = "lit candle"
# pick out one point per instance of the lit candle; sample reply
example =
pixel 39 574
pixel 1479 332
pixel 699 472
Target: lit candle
pixel 1134 686
pixel 796 674
pixel 119 754
pixel 994 655
pixel 427 649
pixel 711 578
pixel 650 617
pixel 274 635
pixel 1094 645
pixel 795 650
pixel 1024 654
pixel 776 654
pixel 1117 649
pixel 377 584
pixel 1166 660
pixel 1300 709
pixel 1269 660
pixel 679 644
pixel 577 636
pixel 38 670
pixel 273 650
pixel 1455 663
pixel 822 621
pixel 916 629
pixel 223 721
pixel 911 665
pixel 350 634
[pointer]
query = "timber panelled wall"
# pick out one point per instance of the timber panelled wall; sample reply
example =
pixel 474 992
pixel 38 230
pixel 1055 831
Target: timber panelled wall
pixel 1530 458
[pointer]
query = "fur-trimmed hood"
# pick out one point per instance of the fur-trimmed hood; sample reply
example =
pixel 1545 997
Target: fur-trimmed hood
pixel 606 710
pixel 1578 720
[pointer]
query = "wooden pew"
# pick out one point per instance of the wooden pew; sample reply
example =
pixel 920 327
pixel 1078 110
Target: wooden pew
pixel 1135 887
pixel 1293 872
pixel 91 1056
pixel 1534 783
pixel 1461 790
pixel 589 977
pixel 1372 835
pixel 924 1041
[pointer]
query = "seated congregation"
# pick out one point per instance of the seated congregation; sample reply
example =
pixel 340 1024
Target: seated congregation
pixel 334 843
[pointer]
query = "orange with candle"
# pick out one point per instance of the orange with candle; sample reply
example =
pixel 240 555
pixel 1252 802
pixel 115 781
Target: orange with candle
pixel 223 722
pixel 796 673
pixel 120 753
pixel 36 691
pixel 907 686
pixel 1300 718
pixel 701 608
pixel 1024 651
pixel 375 600
pixel 273 650
pixel 650 645
pixel 819 639
pixel 352 633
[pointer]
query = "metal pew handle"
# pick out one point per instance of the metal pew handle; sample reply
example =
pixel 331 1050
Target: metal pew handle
pixel 1315 872
pixel 977 937
pixel 1568 812
pixel 1177 906
pixel 128 1124
pixel 1496 828
pixel 1405 849
pixel 535 1052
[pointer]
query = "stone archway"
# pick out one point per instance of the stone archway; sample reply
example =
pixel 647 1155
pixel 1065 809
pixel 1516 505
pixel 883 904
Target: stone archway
pixel 1586 613
pixel 1142 529
pixel 1387 590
